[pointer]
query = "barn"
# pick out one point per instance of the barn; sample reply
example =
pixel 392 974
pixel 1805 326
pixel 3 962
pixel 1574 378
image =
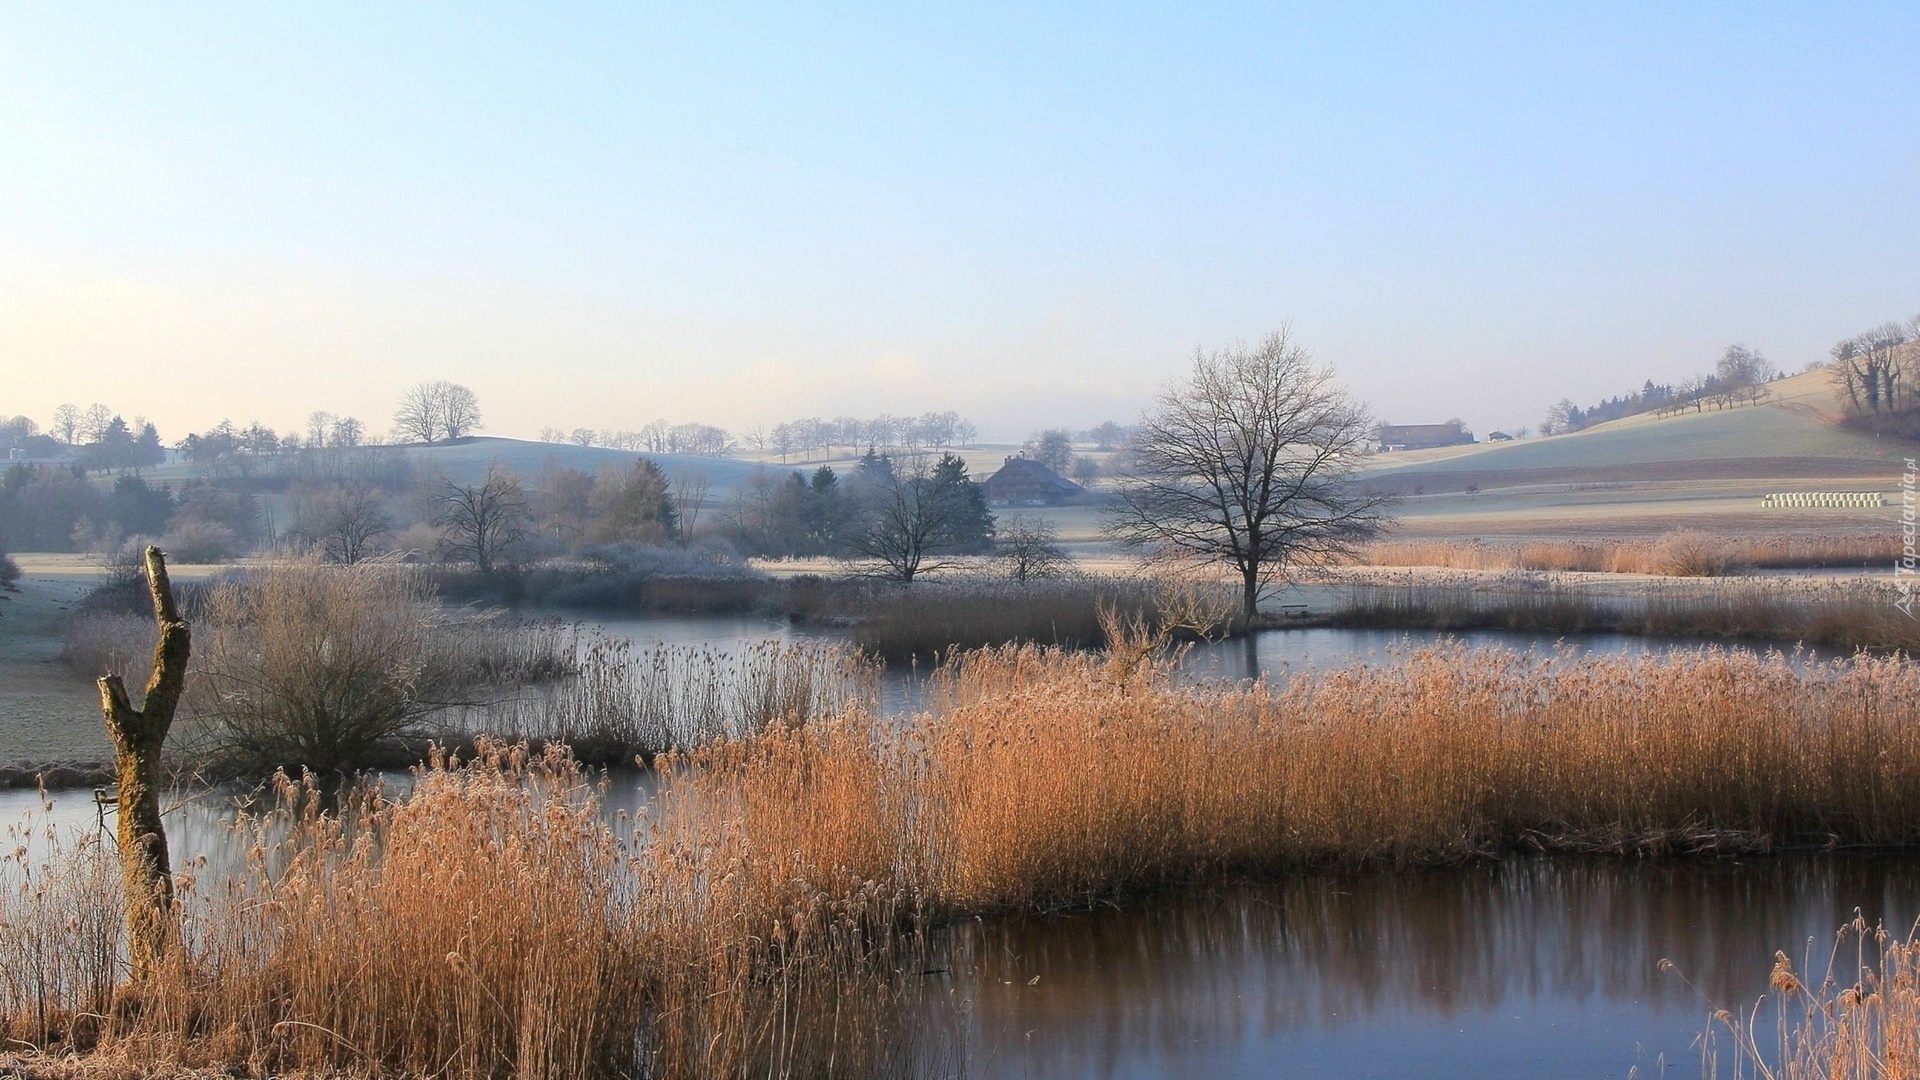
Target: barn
pixel 1022 481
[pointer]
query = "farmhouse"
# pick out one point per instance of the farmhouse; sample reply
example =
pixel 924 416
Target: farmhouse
pixel 1023 481
pixel 1423 436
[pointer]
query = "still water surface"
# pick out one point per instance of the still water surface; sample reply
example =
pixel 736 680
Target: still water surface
pixel 1523 968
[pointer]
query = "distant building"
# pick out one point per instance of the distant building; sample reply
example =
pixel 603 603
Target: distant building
pixel 1023 481
pixel 21 455
pixel 1423 436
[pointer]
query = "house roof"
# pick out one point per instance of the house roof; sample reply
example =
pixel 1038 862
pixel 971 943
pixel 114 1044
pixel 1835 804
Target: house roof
pixel 1026 468
pixel 1400 432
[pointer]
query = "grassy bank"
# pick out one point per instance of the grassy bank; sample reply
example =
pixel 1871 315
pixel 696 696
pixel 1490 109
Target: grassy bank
pixel 1838 614
pixel 492 923
pixel 260 693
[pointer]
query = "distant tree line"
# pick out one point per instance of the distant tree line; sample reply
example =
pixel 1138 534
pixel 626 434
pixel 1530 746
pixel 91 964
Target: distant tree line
pixel 97 440
pixel 659 437
pixel 910 518
pixel 806 439
pixel 1740 377
pixel 54 508
pixel 812 437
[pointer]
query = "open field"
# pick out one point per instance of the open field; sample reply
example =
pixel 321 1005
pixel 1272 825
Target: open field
pixel 1645 474
pixel 1632 478
pixel 48 712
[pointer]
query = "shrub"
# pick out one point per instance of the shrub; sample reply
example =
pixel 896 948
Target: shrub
pixel 9 570
pixel 200 542
pixel 123 560
pixel 1690 553
pixel 305 664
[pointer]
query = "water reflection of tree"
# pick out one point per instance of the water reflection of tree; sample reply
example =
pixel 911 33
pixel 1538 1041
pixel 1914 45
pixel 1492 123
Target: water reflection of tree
pixel 1334 952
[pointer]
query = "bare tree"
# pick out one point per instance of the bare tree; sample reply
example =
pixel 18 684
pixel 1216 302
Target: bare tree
pixel 319 423
pixel 16 430
pixel 1028 548
pixel 1052 448
pixel 459 410
pixel 344 523
pixel 1247 462
pixel 1559 419
pixel 484 523
pixel 689 489
pixel 93 426
pixel 418 417
pixel 1866 367
pixel 1740 367
pixel 66 423
pixel 347 431
pixel 913 522
pixel 431 411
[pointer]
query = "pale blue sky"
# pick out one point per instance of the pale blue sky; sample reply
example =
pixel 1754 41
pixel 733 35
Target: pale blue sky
pixel 599 215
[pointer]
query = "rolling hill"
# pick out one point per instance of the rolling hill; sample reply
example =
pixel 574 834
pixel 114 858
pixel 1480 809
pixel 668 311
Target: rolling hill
pixel 1793 435
pixel 466 460
pixel 1647 474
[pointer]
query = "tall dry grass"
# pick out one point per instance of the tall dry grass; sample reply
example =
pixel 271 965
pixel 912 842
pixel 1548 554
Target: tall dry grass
pixel 1861 1021
pixel 625 700
pixel 750 922
pixel 1680 553
pixel 1844 614
pixel 59 932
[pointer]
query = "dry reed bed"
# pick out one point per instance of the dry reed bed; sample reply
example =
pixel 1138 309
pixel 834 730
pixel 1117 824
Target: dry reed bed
pixel 748 923
pixel 1682 553
pixel 934 619
pixel 625 701
pixel 1844 614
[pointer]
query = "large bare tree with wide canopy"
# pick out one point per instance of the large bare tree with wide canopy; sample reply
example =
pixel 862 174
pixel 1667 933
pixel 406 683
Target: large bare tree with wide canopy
pixel 1247 462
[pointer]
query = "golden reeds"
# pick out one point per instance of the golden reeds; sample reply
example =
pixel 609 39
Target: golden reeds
pixel 1860 1022
pixel 492 922
pixel 1679 553
pixel 1843 613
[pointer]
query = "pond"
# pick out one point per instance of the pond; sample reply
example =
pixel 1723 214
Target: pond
pixel 1523 968
pixel 1517 968
pixel 1274 654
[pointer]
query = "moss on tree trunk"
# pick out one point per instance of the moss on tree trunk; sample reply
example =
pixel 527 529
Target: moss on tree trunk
pixel 146 872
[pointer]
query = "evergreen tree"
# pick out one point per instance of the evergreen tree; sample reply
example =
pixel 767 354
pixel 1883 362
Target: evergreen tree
pixel 969 524
pixel 137 509
pixel 147 449
pixel 633 506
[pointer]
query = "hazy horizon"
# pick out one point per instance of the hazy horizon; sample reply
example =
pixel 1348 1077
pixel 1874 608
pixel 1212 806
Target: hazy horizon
pixel 596 217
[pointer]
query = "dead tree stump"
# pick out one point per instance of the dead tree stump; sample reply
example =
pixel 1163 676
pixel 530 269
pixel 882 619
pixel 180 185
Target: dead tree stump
pixel 146 872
